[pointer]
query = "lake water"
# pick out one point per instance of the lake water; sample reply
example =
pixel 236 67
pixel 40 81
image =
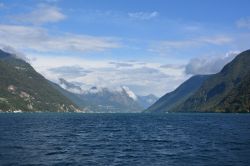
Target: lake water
pixel 124 139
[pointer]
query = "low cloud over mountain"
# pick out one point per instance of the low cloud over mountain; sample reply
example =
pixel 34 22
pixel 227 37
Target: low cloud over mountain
pixel 209 65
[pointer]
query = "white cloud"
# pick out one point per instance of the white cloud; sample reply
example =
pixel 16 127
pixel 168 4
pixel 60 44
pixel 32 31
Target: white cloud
pixel 243 22
pixel 13 51
pixel 143 15
pixel 171 66
pixel 142 78
pixel 216 40
pixel 168 46
pixel 41 15
pixel 209 65
pixel 121 64
pixel 38 39
pixel 70 71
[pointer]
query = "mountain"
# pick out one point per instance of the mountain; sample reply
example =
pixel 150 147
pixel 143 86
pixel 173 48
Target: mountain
pixel 23 89
pixel 226 91
pixel 146 101
pixel 102 100
pixel 180 94
pixel 238 100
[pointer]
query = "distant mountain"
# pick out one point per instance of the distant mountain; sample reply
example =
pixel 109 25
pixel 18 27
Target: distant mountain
pixel 146 101
pixel 23 89
pixel 226 91
pixel 102 100
pixel 180 94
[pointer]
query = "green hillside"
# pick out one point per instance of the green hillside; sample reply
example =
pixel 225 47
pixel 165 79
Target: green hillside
pixel 238 100
pixel 173 99
pixel 22 88
pixel 226 91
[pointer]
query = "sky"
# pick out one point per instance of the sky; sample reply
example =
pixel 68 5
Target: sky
pixel 150 46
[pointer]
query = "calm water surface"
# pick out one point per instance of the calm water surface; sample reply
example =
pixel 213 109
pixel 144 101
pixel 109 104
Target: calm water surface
pixel 124 139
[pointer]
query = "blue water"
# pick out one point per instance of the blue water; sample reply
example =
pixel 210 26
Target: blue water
pixel 124 139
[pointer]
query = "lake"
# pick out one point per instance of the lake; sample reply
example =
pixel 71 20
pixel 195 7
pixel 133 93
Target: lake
pixel 124 139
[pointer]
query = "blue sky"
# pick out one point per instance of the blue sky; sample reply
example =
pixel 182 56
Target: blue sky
pixel 151 46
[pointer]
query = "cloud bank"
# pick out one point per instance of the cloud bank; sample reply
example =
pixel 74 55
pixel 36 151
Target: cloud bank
pixel 41 15
pixel 143 15
pixel 209 65
pixel 70 71
pixel 38 39
pixel 143 78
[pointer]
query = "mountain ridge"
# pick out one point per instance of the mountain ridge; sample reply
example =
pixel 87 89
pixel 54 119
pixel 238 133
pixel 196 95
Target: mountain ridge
pixel 181 93
pixel 218 86
pixel 23 89
pixel 103 99
pixel 225 91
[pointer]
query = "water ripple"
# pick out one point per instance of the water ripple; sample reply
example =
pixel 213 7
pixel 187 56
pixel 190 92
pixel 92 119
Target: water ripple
pixel 124 139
